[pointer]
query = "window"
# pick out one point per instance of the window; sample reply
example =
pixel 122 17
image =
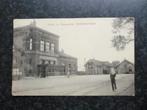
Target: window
pixel 21 62
pixel 30 44
pixel 30 61
pixel 52 47
pixel 90 66
pixel 41 45
pixel 49 62
pixel 42 61
pixel 69 65
pixel 47 46
pixel 54 62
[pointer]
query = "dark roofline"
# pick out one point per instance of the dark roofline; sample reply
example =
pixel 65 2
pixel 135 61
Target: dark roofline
pixel 47 32
pixel 29 26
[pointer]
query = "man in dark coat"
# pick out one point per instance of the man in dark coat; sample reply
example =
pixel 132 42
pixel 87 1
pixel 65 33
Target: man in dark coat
pixel 112 77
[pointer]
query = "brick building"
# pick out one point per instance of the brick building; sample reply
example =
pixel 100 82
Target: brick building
pixel 33 46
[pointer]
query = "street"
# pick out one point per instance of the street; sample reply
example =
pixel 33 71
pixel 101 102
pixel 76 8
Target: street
pixel 75 85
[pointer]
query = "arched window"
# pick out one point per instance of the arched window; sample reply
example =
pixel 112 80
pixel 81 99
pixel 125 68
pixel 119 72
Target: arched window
pixel 30 46
pixel 54 62
pixel 52 47
pixel 41 45
pixel 47 46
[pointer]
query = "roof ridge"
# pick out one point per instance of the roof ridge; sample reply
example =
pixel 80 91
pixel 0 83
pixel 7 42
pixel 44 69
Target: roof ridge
pixel 65 55
pixel 29 26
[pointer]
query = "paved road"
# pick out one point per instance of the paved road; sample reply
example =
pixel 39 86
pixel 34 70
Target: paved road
pixel 89 85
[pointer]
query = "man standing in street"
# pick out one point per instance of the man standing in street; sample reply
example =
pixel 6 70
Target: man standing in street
pixel 112 77
pixel 69 71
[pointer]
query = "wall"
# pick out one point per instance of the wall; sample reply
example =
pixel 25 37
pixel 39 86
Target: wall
pixel 123 68
pixel 32 58
pixel 68 61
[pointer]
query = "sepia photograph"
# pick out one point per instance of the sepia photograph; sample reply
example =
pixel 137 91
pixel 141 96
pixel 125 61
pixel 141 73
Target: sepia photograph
pixel 73 57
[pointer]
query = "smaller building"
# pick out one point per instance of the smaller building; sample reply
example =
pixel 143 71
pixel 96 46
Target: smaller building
pixel 93 66
pixel 125 67
pixel 68 61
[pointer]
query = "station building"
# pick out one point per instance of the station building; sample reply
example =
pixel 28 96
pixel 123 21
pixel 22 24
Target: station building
pixel 94 66
pixel 33 46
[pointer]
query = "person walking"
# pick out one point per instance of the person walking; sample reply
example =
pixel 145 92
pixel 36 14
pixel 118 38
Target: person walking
pixel 69 70
pixel 68 73
pixel 112 77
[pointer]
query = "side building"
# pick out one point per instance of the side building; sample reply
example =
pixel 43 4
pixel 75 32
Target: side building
pixel 125 67
pixel 93 66
pixel 33 46
pixel 69 62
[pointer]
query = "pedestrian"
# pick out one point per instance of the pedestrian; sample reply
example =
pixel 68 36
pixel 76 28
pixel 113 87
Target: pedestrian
pixel 68 73
pixel 68 70
pixel 112 77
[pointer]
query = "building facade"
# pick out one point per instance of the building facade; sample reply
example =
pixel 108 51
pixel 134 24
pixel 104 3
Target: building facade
pixel 93 66
pixel 34 46
pixel 125 67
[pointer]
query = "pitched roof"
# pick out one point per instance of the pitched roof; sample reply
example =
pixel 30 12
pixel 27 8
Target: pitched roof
pixel 30 26
pixel 99 63
pixel 123 62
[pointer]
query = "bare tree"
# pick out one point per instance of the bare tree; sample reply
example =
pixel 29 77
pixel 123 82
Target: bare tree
pixel 123 29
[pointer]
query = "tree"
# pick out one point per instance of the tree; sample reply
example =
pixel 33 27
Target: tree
pixel 123 29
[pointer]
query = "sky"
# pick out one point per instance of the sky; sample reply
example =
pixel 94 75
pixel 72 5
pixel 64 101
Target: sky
pixel 84 38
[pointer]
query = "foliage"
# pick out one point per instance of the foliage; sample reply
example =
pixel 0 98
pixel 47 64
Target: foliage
pixel 123 29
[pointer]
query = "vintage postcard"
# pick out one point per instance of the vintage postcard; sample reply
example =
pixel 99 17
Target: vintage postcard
pixel 73 57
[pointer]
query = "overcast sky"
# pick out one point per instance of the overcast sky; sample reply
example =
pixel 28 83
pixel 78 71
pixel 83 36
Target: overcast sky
pixel 84 38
